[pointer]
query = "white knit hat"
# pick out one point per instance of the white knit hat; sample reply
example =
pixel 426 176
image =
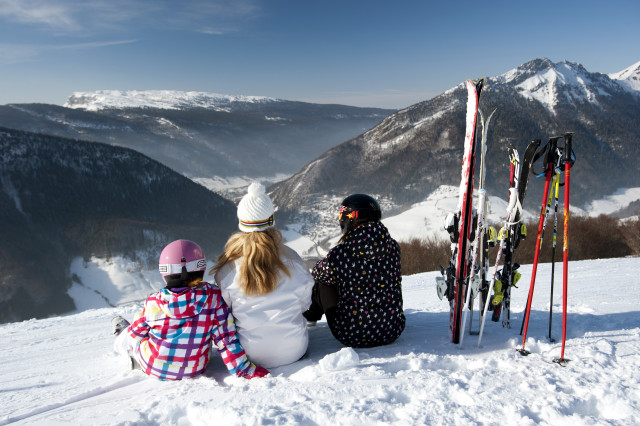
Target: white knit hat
pixel 255 210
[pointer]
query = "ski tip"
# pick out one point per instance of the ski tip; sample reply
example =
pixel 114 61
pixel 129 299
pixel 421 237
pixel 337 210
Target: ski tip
pixel 477 83
pixel 562 362
pixel 480 83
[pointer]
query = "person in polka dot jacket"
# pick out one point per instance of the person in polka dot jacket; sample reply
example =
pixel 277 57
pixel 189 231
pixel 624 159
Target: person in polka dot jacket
pixel 358 285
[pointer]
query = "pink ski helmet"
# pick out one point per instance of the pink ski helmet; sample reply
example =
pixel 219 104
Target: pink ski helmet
pixel 181 262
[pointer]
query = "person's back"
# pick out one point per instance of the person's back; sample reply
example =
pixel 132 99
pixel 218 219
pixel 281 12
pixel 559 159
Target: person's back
pixel 365 268
pixel 358 285
pixel 175 331
pixel 266 285
pixel 271 327
pixel 171 338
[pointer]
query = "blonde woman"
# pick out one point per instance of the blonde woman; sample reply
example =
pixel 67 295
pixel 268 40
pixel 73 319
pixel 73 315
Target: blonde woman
pixel 265 284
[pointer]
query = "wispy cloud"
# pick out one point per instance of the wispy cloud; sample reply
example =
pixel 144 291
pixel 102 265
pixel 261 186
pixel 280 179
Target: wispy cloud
pixel 53 14
pixel 215 17
pixel 86 17
pixel 212 31
pixel 92 21
pixel 95 44
pixel 11 54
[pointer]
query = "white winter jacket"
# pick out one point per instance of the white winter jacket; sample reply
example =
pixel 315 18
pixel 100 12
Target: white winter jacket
pixel 271 327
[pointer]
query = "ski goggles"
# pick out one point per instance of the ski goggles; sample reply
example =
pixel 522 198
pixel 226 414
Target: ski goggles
pixel 345 214
pixel 176 268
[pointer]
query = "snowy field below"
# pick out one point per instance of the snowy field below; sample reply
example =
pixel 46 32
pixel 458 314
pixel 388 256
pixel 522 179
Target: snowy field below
pixel 63 370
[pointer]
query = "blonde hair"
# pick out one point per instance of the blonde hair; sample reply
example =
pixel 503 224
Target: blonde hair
pixel 195 282
pixel 261 261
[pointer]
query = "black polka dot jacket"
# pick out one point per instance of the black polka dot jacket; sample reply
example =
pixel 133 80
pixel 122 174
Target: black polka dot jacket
pixel 365 267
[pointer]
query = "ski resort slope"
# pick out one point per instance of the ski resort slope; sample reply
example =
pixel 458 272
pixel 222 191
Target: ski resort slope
pixel 63 370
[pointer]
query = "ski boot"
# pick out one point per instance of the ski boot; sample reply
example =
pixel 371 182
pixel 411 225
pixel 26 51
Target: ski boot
pixel 444 283
pixel 476 284
pixel 492 236
pixel 496 300
pixel 119 324
pixel 498 293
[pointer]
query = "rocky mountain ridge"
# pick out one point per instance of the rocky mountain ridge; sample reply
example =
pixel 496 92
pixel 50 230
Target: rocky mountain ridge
pixel 416 150
pixel 201 135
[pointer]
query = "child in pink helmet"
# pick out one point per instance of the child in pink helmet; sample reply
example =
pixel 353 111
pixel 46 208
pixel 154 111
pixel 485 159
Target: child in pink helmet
pixel 171 338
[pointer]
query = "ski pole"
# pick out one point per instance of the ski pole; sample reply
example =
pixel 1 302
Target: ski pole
pixel 550 157
pixel 565 243
pixel 554 187
pixel 550 165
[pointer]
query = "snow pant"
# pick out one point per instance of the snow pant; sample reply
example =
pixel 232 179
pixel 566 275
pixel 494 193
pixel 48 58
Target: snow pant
pixel 124 344
pixel 324 301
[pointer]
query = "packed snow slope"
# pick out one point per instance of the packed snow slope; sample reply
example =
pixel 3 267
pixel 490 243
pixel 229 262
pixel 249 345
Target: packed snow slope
pixel 63 370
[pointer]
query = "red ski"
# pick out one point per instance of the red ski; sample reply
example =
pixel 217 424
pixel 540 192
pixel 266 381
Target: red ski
pixel 465 201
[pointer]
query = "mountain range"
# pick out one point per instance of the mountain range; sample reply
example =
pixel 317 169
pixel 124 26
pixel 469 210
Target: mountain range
pixel 201 135
pixel 414 151
pixel 61 199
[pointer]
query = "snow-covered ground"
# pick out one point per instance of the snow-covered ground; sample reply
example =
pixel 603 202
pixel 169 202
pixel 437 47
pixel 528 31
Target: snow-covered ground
pixel 425 219
pixel 62 370
pixel 164 99
pixel 100 282
pixel 614 202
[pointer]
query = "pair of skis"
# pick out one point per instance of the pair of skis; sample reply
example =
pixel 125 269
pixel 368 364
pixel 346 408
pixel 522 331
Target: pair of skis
pixel 556 158
pixel 480 251
pixel 510 235
pixel 454 279
pixel 468 266
pixel 464 268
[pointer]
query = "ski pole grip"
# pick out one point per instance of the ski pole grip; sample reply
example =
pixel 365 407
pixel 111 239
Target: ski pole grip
pixel 552 155
pixel 567 147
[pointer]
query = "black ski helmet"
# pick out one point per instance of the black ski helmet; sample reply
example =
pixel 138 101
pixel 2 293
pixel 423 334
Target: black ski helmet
pixel 358 208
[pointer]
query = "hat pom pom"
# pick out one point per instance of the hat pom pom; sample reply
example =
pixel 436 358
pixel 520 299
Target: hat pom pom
pixel 256 189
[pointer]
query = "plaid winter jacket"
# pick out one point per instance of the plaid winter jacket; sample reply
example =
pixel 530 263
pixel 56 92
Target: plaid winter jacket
pixel 175 331
pixel 365 268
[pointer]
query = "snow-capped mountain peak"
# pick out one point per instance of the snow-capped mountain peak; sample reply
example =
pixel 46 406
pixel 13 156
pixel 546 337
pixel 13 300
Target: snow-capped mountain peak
pixel 161 99
pixel 552 83
pixel 629 78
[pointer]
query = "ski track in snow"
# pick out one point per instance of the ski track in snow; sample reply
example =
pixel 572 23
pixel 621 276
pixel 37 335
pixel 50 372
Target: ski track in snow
pixel 63 370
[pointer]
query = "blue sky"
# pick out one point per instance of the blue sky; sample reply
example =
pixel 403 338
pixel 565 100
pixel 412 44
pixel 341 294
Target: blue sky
pixel 367 53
